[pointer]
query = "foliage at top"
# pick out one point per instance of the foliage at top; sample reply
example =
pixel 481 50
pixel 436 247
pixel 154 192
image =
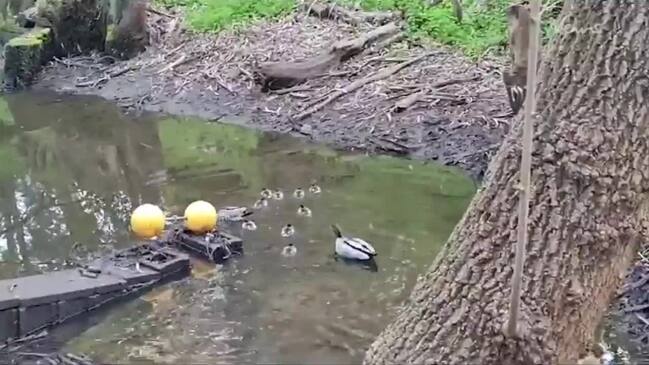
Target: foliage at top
pixel 215 15
pixel 483 28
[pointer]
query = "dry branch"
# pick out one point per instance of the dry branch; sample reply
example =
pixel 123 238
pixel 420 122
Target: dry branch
pixel 413 98
pixel 279 75
pixel 408 101
pixel 380 75
pixel 332 11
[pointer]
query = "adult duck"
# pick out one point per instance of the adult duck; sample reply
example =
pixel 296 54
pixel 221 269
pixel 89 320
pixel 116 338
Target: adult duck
pixel 352 248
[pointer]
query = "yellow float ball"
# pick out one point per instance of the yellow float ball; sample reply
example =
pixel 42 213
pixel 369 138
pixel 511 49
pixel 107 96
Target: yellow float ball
pixel 147 221
pixel 200 217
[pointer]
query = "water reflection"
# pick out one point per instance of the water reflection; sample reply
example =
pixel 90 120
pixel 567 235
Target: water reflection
pixel 76 167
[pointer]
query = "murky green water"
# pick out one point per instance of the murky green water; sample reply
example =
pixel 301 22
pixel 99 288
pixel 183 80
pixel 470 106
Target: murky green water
pixel 73 169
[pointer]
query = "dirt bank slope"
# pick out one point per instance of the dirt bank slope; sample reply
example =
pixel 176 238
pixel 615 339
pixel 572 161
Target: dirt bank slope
pixel 213 75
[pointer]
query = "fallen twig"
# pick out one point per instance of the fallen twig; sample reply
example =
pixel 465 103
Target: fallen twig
pixel 160 12
pixel 333 11
pixel 635 285
pixel 413 98
pixel 382 74
pixel 105 78
pixel 408 101
pixel 70 63
pixel 635 308
pixel 182 59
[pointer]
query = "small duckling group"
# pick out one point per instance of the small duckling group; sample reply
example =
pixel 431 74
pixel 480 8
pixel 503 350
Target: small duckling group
pixel 351 248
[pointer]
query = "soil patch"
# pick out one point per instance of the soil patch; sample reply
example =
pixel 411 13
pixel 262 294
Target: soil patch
pixel 441 107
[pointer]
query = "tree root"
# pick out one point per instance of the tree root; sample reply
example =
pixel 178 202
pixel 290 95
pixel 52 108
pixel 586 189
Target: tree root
pixel 380 75
pixel 280 75
pixel 332 11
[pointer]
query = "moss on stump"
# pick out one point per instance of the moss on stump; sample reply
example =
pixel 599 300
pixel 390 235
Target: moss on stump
pixel 79 25
pixel 25 56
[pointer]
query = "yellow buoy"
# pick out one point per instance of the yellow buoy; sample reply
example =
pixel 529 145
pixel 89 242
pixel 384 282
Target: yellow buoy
pixel 147 221
pixel 200 217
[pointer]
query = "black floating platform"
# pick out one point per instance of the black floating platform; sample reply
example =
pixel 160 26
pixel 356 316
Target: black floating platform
pixel 32 303
pixel 215 246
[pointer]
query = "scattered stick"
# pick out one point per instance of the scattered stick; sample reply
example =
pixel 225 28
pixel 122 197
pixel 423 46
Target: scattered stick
pixel 411 99
pixel 635 285
pixel 160 12
pixel 182 59
pixel 332 11
pixel 72 63
pixel 635 308
pixel 390 41
pixel 105 78
pixel 385 73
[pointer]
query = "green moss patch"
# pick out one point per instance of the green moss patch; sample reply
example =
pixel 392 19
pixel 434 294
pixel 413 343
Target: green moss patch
pixel 25 56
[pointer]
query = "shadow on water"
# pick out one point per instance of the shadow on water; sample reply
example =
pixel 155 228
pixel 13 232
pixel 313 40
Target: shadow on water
pixel 74 167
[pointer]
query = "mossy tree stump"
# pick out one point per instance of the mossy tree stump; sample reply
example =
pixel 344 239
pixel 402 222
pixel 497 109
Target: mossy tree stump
pixel 25 56
pixel 79 26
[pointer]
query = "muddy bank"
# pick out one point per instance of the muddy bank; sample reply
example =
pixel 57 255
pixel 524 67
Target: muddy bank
pixel 459 117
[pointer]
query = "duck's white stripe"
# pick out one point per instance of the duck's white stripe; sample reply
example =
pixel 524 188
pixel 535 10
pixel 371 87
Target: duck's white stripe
pixel 359 246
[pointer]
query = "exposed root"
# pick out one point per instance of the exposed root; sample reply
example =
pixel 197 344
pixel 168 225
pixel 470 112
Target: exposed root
pixel 279 75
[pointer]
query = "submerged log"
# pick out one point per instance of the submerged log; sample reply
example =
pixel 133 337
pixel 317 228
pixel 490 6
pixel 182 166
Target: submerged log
pixel 279 75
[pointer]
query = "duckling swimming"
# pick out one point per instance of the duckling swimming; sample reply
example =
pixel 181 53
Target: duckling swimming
pixel 288 230
pixel 352 248
pixel 261 203
pixel 298 193
pixel 278 195
pixel 249 225
pixel 233 214
pixel 314 189
pixel 266 193
pixel 290 250
pixel 303 211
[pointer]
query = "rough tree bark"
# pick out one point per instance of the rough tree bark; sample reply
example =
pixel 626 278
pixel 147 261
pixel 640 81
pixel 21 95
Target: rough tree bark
pixel 590 177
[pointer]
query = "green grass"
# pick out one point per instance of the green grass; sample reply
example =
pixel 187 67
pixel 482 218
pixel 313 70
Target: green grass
pixel 215 15
pixel 481 30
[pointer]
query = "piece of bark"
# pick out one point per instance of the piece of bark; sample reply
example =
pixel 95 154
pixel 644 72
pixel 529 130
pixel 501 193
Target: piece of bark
pixel 280 75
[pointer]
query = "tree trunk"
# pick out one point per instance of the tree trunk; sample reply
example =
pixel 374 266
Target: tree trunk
pixel 590 175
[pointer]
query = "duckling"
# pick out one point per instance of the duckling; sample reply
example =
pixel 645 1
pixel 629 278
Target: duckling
pixel 278 195
pixel 290 250
pixel 233 214
pixel 298 193
pixel 314 189
pixel 303 211
pixel 262 202
pixel 352 248
pixel 249 225
pixel 266 193
pixel 288 230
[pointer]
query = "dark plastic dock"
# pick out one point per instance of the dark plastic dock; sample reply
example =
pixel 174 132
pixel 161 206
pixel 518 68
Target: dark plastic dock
pixel 217 247
pixel 32 303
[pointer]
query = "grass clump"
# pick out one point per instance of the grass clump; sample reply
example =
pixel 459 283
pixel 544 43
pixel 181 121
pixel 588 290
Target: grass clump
pixel 482 28
pixel 215 15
